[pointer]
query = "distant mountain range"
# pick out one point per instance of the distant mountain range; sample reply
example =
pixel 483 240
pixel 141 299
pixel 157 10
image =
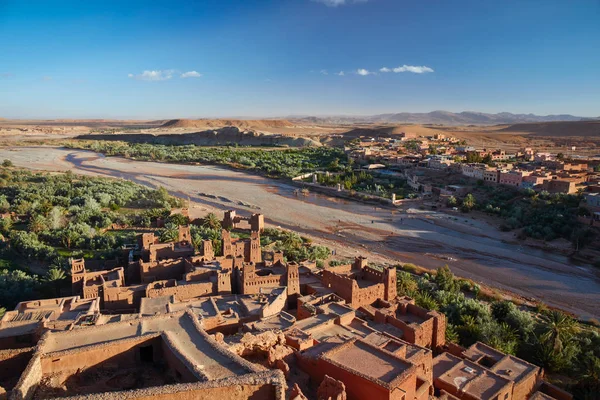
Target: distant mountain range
pixel 443 118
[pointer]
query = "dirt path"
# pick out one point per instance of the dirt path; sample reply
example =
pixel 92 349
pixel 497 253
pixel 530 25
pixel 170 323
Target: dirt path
pixel 473 249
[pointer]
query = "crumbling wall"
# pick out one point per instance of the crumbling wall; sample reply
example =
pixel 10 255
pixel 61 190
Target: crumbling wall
pixel 30 379
pixel 341 285
pixel 267 385
pixel 331 389
pixel 12 364
pixel 124 352
pixel 367 295
pixel 184 290
pixel 161 270
pixel 123 297
pixel 275 306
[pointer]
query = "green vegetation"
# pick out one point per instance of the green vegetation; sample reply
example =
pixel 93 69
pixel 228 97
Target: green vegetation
pixel 371 182
pixel 548 338
pixel 538 215
pixel 47 218
pixel 275 163
pixel 294 247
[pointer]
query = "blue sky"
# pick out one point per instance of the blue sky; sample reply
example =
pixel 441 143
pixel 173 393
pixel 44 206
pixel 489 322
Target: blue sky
pixel 262 58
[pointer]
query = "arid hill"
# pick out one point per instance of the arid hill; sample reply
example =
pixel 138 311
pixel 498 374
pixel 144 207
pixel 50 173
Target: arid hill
pixel 255 124
pixel 563 128
pixel 230 135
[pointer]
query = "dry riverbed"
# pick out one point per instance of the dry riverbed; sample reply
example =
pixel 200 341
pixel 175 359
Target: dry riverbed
pixel 472 248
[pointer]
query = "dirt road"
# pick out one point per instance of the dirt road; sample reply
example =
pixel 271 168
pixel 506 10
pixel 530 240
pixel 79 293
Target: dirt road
pixel 471 248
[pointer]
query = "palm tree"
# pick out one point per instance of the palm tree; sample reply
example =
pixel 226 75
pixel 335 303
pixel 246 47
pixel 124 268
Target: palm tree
pixel 170 233
pixel 291 240
pixel 211 221
pixel 557 328
pixel 468 202
pixel 54 277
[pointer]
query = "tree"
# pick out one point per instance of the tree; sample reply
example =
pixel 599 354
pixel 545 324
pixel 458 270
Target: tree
pixel 37 224
pixel 468 202
pixel 556 329
pixel 55 277
pixel 7 163
pixel 444 279
pixel 291 240
pixel 451 201
pixel 170 233
pixel 211 221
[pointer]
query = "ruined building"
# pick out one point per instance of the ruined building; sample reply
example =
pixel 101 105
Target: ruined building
pixel 169 320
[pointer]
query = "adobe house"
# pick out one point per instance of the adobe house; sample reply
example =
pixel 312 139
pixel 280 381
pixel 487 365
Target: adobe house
pixel 253 278
pixel 360 284
pixel 417 325
pixel 255 223
pixel 369 372
pixel 468 380
pixel 249 249
pixel 486 373
pixel 151 250
pixel 23 327
pixel 168 355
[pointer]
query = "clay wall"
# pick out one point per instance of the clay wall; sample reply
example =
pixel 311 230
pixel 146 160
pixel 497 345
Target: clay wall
pixel 29 380
pixel 161 270
pixel 253 286
pixel 554 391
pixel 341 269
pixel 367 295
pixel 184 234
pixel 360 388
pixel 166 251
pixel 465 395
pixel 12 364
pixel 124 352
pixel 268 385
pixel 341 285
pixel 184 291
pixel 227 249
pixel 175 362
pixel 275 306
pixel 224 283
pixel 122 298
pixel 373 275
pixel 207 250
pixel 19 341
pixel 525 388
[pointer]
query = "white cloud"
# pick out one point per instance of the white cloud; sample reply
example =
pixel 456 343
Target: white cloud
pixel 335 3
pixel 363 72
pixel 341 73
pixel 324 72
pixel 191 74
pixel 414 69
pixel 153 75
pixel 385 69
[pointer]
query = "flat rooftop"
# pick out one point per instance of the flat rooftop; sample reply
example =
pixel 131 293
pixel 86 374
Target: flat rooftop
pixel 513 368
pixel 184 333
pixel 467 376
pixel 368 360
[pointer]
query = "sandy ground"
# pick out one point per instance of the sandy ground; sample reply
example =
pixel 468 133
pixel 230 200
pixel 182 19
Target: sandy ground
pixel 473 249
